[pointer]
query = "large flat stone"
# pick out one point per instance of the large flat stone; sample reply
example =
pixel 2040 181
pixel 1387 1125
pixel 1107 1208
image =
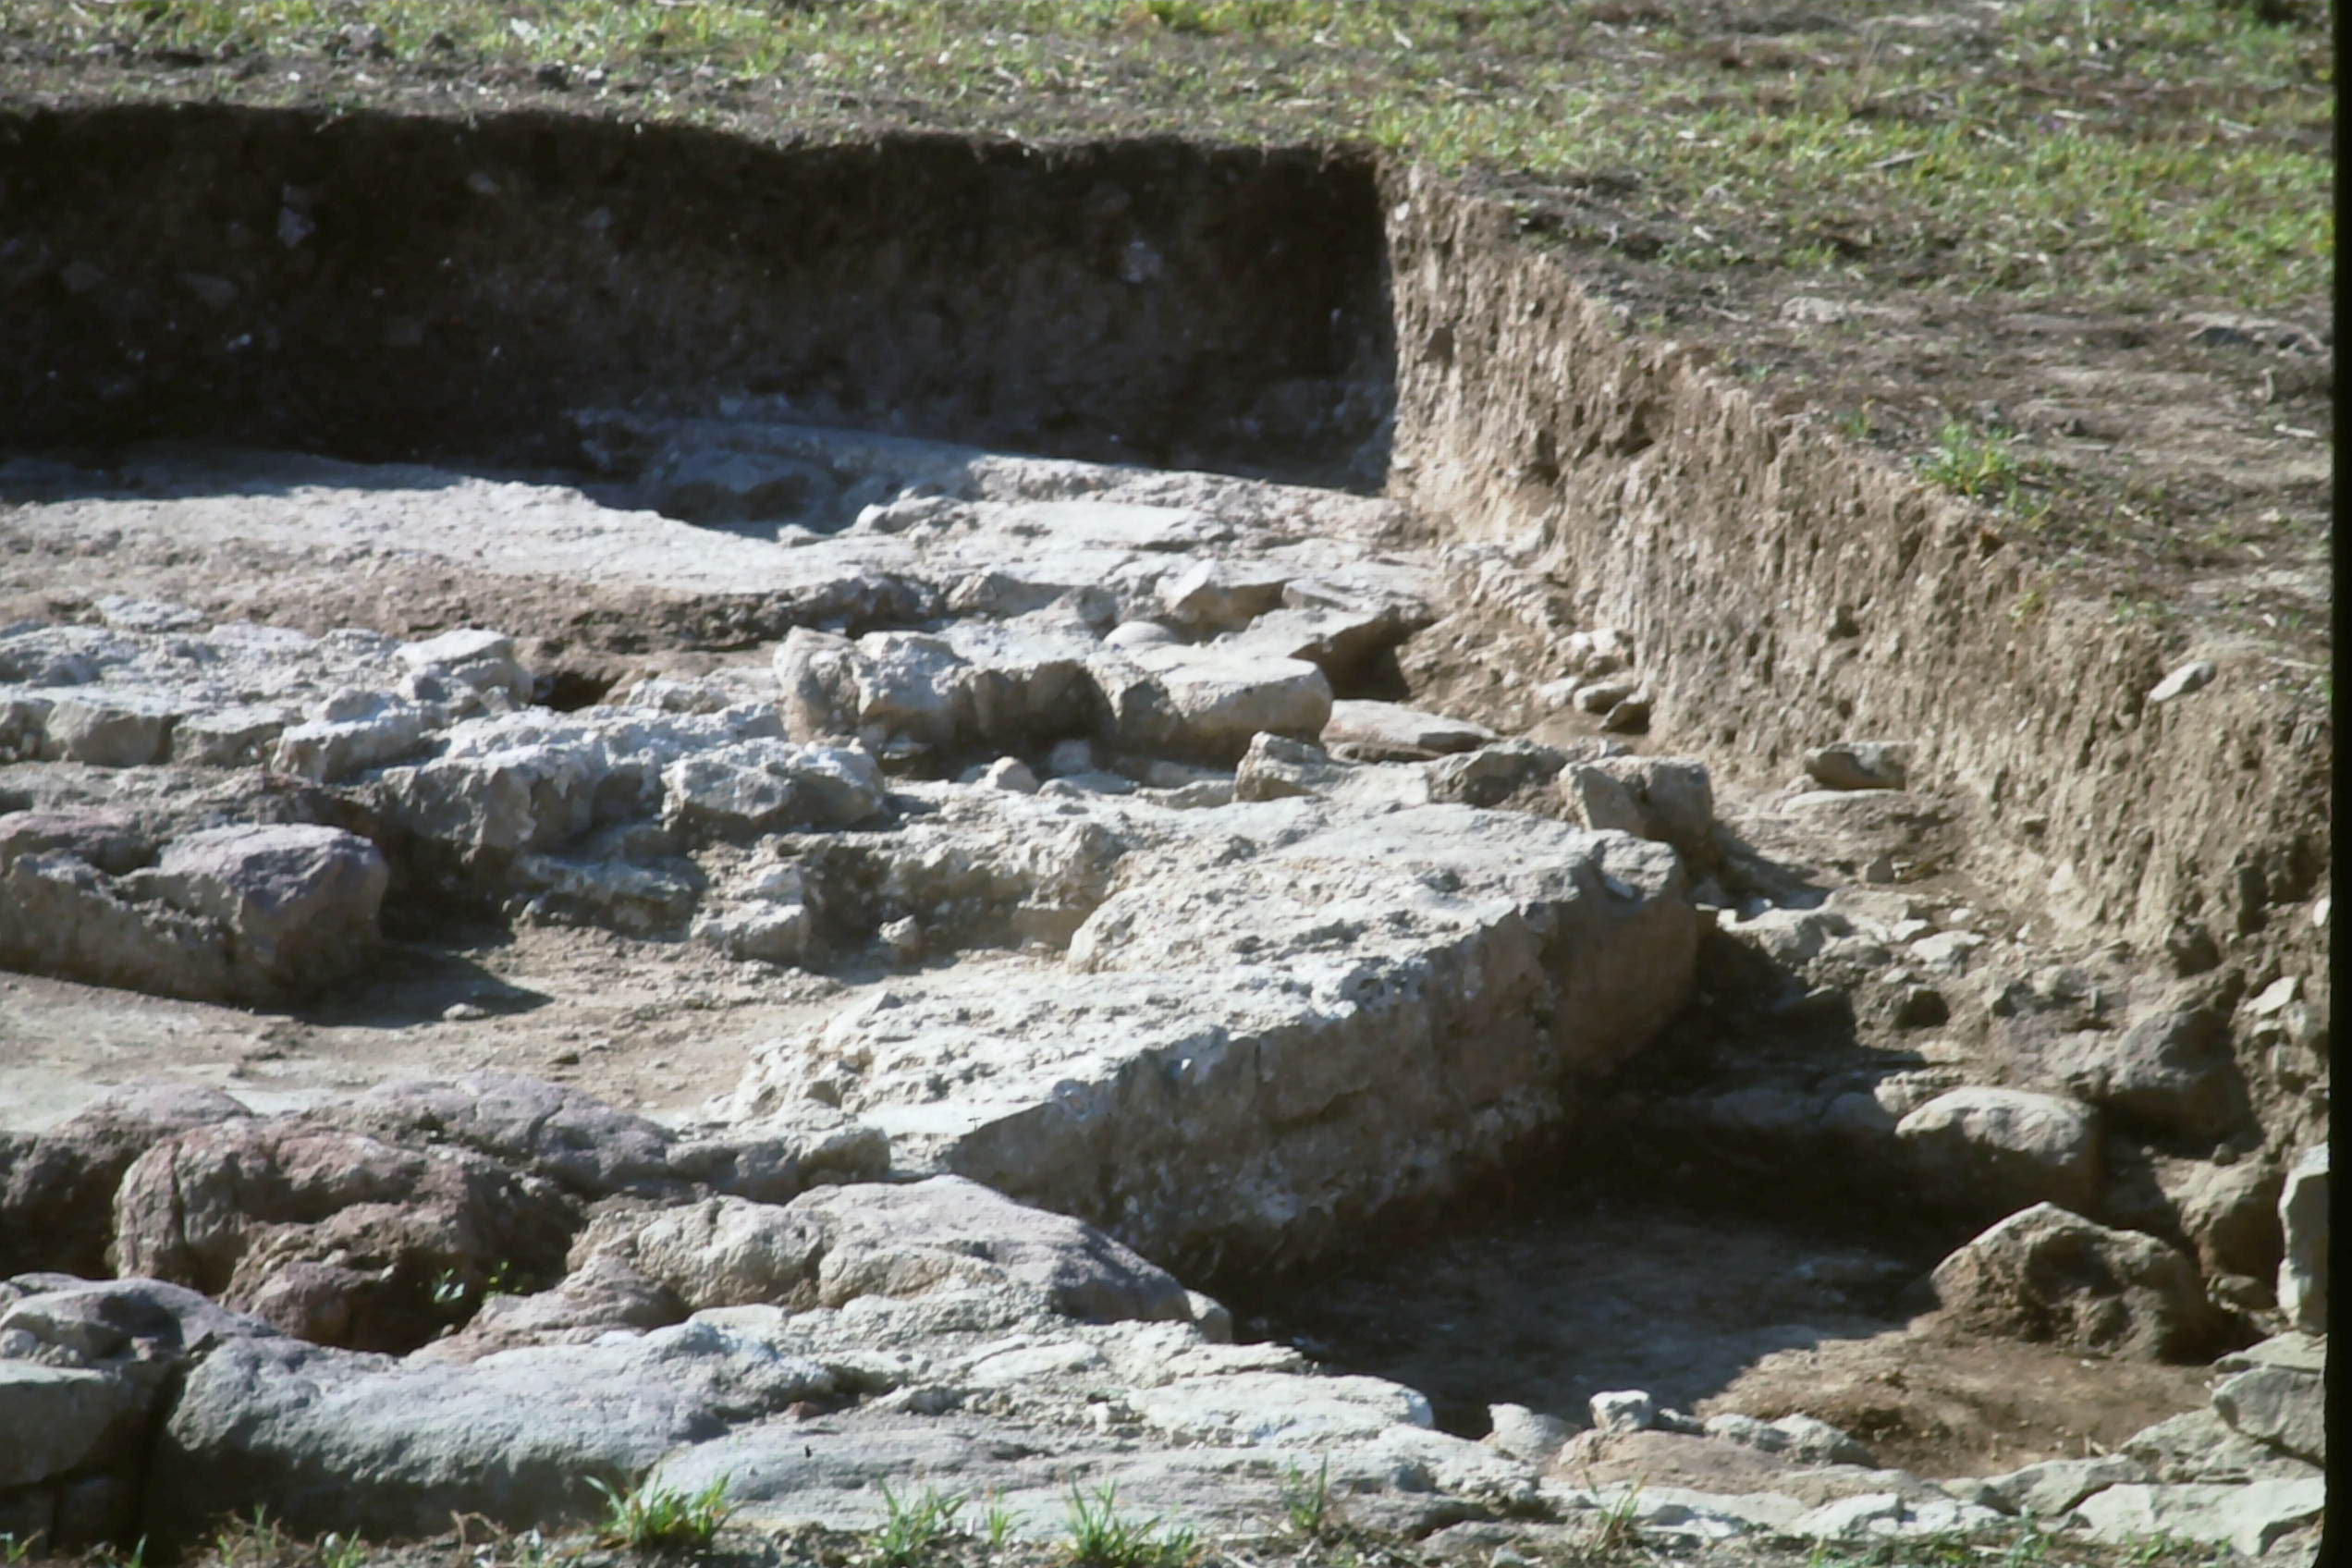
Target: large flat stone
pixel 2249 1518
pixel 1408 994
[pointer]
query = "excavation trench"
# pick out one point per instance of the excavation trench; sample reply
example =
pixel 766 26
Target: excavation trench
pixel 819 764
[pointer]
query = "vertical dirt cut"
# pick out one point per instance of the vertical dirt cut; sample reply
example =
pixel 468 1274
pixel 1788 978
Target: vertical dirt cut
pixel 378 285
pixel 1784 591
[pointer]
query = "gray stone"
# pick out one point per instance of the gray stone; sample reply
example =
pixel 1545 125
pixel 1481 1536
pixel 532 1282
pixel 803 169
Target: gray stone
pixel 60 1419
pixel 1268 1407
pixel 1009 773
pixel 832 1245
pixel 1861 765
pixel 1211 596
pixel 2054 1485
pixel 366 1445
pixel 759 787
pixel 1206 704
pixel 1630 716
pixel 2295 1351
pixel 913 685
pixel 231 737
pixel 2229 1213
pixel 2284 1406
pixel 2197 1445
pixel 1748 1431
pixel 1815 1441
pixel 618 895
pixel 2194 676
pixel 1192 1081
pixel 2047 1275
pixel 158 1322
pixel 2170 1073
pixel 1391 732
pixel 1624 1410
pixel 1140 635
pixel 2249 1518
pixel 1990 1150
pixel 2303 1215
pixel 1275 768
pixel 107 840
pixel 1525 1434
pixel 1491 775
pixel 769 933
pixel 1666 799
pixel 1860 1514
pixel 1602 695
pixel 110 729
pixel 326 750
pixel 297 904
pixel 472 656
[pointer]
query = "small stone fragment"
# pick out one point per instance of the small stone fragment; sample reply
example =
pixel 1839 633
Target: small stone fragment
pixel 1624 1410
pixel 1603 695
pixel 1630 716
pixel 1009 773
pixel 2191 676
pixel 1861 765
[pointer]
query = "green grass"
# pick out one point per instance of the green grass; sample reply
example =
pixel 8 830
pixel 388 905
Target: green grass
pixel 2082 149
pixel 660 1519
pixel 1976 463
pixel 1100 1537
pixel 1307 1506
pixel 1615 1527
pixel 912 1527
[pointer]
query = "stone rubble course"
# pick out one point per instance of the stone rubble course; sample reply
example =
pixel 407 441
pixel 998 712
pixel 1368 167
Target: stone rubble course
pixel 860 1332
pixel 1156 951
pixel 1430 984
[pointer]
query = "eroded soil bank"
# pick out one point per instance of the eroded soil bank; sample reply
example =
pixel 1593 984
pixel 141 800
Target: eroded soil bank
pixel 876 815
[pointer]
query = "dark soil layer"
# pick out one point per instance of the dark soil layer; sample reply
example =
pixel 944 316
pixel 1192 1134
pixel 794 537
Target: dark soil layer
pixel 379 286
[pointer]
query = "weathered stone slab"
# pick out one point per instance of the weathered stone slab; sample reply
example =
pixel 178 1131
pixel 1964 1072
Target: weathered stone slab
pixel 2249 1518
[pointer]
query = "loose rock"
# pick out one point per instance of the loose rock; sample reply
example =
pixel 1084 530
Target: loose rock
pixel 1861 765
pixel 1986 1149
pixel 2047 1275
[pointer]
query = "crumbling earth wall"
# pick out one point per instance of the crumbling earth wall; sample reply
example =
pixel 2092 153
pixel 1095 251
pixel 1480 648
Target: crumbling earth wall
pixel 385 286
pixel 1782 590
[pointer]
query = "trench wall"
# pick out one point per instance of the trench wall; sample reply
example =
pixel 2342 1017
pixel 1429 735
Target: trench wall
pixel 1782 591
pixel 383 286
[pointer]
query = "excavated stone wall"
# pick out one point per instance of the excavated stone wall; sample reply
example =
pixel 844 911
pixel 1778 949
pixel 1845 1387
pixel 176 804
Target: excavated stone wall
pixel 1783 591
pixel 376 284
